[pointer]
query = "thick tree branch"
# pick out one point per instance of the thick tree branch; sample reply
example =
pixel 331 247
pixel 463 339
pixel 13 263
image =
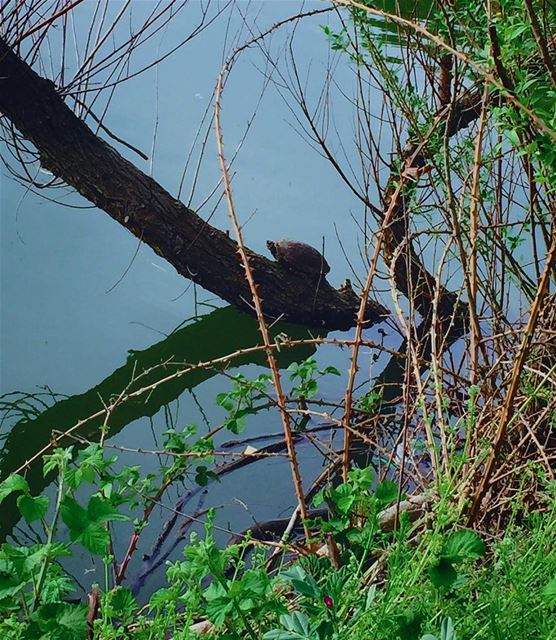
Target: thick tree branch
pixel 198 251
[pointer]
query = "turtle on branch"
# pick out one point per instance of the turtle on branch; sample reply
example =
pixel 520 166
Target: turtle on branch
pixel 299 256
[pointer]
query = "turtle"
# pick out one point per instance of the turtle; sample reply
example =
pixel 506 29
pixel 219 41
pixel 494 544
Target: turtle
pixel 298 256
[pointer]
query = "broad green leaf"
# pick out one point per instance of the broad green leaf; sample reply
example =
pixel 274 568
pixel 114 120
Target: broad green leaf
pixel 95 538
pixel 344 497
pixel 387 491
pixel 361 478
pixel 218 609
pixel 36 555
pixel 100 510
pixel 318 498
pixel 62 620
pixel 13 482
pixel 371 595
pixel 123 602
pixel 203 476
pixel 32 508
pixel 162 597
pixel 57 587
pixel 442 574
pixel 331 370
pixel 513 137
pixel 255 581
pixel 10 585
pixel 214 591
pixel 307 587
pixel 301 581
pixel 295 621
pixel 463 545
pixel 74 515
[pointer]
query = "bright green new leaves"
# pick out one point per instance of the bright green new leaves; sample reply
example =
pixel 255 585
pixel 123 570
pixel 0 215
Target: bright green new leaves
pixel 240 401
pixel 355 498
pixel 31 508
pixel 306 374
pixel 11 484
pixel 87 526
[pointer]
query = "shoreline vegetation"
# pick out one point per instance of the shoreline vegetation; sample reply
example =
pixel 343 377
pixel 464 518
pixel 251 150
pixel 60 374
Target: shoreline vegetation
pixel 434 514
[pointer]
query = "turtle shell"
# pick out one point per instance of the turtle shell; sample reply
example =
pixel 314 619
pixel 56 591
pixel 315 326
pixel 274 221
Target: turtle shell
pixel 298 256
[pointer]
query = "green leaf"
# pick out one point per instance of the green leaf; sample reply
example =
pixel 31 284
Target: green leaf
pixel 255 582
pixel 318 498
pixel 75 517
pixel 463 545
pixel 10 583
pixel 204 475
pixel 280 634
pixel 218 609
pixel 122 603
pixel 442 574
pixel 331 370
pixel 513 137
pixel 297 623
pixel 447 631
pixel 61 620
pixel 32 508
pixel 13 482
pixel 387 491
pixel 100 510
pixel 301 581
pixel 409 625
pixel 57 586
pixel 362 479
pixel 311 388
pixel 549 592
pixel 371 595
pixel 95 538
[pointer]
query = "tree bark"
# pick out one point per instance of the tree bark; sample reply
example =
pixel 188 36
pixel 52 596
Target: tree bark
pixel 198 251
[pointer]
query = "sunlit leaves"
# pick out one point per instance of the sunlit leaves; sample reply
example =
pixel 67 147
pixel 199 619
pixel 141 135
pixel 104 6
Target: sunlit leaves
pixel 11 484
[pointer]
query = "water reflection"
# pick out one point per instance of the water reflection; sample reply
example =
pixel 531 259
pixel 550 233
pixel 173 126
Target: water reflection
pixel 222 332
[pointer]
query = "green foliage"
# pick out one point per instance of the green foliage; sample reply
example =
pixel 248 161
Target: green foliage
pixel 354 507
pixel 435 582
pixel 240 401
pixel 306 374
pixel 458 547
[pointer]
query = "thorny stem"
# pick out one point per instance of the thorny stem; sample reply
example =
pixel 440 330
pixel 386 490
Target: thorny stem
pixel 276 379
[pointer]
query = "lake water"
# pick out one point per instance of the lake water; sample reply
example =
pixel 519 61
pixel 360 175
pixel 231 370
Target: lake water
pixel 81 302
